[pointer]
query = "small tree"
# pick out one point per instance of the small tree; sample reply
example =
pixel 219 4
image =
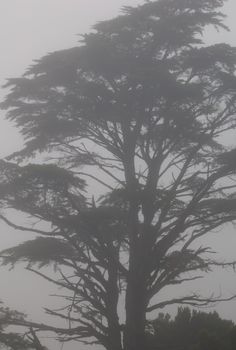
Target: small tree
pixel 141 108
pixel 10 340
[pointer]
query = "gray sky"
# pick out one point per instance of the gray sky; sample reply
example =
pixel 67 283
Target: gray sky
pixel 28 30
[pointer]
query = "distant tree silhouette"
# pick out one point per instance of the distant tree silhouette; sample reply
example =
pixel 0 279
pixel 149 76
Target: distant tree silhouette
pixel 191 330
pixel 10 340
pixel 141 109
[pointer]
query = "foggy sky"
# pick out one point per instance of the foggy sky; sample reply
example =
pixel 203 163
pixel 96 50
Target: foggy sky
pixel 28 30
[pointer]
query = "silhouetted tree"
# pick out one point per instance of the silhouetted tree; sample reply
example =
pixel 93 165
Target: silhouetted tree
pixel 141 108
pixel 10 340
pixel 191 330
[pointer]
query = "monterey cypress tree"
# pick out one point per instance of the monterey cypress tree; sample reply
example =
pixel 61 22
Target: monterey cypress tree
pixel 137 113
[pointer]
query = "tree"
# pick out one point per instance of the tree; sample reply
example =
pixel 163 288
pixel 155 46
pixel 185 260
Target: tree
pixel 10 340
pixel 191 330
pixel 141 108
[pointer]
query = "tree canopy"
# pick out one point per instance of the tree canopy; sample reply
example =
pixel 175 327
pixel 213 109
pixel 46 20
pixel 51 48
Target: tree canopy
pixel 140 109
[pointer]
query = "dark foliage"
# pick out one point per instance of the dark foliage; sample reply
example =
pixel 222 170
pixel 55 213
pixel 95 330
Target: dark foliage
pixel 191 330
pixel 11 340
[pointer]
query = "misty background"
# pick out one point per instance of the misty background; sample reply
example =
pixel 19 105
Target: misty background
pixel 30 29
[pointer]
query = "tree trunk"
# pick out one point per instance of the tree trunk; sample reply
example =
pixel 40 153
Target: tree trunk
pixel 135 299
pixel 114 335
pixel 134 334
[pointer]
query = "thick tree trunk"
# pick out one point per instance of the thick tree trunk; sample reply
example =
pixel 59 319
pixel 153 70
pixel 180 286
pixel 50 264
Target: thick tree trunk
pixel 114 336
pixel 136 293
pixel 136 299
pixel 134 334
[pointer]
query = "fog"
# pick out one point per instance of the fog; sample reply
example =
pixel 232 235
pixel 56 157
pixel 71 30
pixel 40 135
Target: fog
pixel 28 30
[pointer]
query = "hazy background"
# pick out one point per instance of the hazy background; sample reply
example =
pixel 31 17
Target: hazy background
pixel 28 30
